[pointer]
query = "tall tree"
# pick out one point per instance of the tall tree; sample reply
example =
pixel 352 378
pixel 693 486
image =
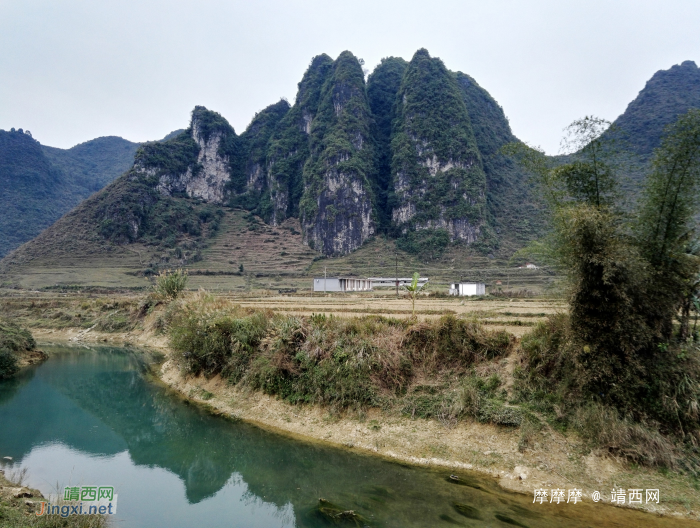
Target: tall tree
pixel 667 222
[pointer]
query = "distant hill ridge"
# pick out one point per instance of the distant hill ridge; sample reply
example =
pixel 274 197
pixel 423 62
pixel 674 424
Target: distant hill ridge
pixel 38 184
pixel 42 183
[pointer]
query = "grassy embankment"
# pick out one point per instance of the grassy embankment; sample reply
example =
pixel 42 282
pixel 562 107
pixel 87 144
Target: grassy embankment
pixel 425 368
pixel 19 505
pixel 17 348
pixel 444 366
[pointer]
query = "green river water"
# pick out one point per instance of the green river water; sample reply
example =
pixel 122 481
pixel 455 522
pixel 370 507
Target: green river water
pixel 90 416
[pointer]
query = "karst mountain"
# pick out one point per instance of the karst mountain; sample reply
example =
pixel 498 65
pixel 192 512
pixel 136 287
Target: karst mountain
pixel 410 152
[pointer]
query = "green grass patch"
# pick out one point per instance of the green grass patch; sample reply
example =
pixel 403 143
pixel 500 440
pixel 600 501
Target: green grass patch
pixel 343 363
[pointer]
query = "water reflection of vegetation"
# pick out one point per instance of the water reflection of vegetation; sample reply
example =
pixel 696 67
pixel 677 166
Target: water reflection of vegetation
pixel 325 486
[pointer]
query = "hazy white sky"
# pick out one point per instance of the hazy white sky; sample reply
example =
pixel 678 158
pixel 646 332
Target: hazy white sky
pixel 73 70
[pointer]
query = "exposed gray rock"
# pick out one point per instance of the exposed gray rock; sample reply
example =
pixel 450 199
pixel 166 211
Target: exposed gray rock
pixel 208 178
pixel 344 219
pixel 337 205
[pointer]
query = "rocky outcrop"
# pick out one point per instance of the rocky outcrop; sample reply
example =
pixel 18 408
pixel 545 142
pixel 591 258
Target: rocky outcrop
pixel 337 209
pixel 344 215
pixel 438 177
pixel 208 177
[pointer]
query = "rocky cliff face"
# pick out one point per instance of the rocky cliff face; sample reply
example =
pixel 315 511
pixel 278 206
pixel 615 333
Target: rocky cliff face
pixel 337 205
pixel 438 177
pixel 206 177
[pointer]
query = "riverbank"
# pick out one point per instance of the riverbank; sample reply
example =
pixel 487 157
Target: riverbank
pixel 551 460
pixel 19 506
pixel 518 459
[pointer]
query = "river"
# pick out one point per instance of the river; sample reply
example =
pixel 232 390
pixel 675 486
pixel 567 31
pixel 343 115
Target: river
pixel 90 416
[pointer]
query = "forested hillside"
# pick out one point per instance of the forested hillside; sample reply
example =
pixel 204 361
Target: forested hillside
pixel 396 155
pixel 38 184
pixel 667 95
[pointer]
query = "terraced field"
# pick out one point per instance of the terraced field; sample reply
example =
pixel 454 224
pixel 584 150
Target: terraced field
pixel 247 256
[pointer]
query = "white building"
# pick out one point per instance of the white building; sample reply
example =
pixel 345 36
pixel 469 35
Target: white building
pixel 467 289
pixel 390 282
pixel 341 284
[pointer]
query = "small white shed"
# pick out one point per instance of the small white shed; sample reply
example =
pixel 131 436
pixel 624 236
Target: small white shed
pixel 467 289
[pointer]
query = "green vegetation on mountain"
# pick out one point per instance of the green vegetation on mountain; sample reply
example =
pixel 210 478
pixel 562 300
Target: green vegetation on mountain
pixel 32 191
pixel 439 181
pixel 667 95
pixel 166 158
pixel 134 208
pixel 95 163
pixel 382 86
pixel 337 206
pixel 289 146
pixel 250 185
pixel 514 211
pixel 38 184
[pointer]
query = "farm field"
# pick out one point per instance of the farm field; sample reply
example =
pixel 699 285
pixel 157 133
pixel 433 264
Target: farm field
pixel 73 308
pixel 246 255
pixel 516 315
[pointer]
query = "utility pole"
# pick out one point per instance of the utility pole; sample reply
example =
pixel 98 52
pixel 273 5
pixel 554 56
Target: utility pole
pixel 397 274
pixel 324 279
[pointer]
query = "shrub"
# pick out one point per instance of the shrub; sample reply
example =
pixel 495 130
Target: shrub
pixel 546 355
pixel 353 362
pixel 170 284
pixel 8 364
pixel 337 362
pixel 603 428
pixel 451 342
pixel 14 338
pixel 211 337
pixel 428 243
